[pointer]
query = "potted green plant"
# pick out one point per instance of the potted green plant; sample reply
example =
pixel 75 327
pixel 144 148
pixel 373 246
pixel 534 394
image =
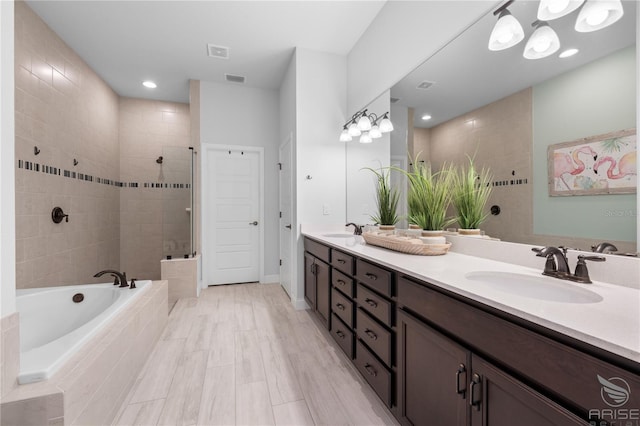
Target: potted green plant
pixel 428 198
pixel 386 201
pixel 470 192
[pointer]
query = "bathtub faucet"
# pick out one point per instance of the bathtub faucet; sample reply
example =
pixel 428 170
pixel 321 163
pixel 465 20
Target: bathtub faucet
pixel 121 277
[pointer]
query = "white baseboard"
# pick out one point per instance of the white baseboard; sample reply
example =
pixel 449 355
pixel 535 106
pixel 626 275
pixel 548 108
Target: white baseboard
pixel 299 304
pixel 270 279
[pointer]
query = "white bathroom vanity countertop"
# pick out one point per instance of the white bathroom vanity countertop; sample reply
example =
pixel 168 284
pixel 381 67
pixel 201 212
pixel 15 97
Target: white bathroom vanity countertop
pixel 612 324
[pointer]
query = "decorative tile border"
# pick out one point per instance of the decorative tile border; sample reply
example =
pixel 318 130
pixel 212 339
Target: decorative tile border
pixel 509 182
pixel 44 168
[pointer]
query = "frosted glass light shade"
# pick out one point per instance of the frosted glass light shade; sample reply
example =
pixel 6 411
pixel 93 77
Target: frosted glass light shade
pixel 353 130
pixel 386 126
pixel 366 138
pixel 506 33
pixel 345 136
pixel 598 14
pixel 542 43
pixel 554 9
pixel 375 132
pixel 364 124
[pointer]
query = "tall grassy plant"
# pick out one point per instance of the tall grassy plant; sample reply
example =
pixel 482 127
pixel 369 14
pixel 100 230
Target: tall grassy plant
pixel 386 199
pixel 429 196
pixel 470 193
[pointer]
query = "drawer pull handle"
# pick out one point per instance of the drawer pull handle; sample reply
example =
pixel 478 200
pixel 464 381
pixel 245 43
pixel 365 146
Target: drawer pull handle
pixel 372 277
pixel 341 282
pixel 371 302
pixel 340 334
pixel 371 334
pixel 372 371
pixel 461 370
pixel 340 306
pixel 475 400
pixel 342 261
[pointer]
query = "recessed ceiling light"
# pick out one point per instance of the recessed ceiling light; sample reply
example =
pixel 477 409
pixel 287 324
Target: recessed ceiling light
pixel 426 117
pixel 567 53
pixel 149 84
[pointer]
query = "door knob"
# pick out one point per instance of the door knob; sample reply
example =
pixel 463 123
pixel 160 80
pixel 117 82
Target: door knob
pixel 254 223
pixel 288 226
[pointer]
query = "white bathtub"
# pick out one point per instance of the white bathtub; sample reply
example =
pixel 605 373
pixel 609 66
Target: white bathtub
pixel 53 326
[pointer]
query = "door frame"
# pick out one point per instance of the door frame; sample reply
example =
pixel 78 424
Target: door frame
pixel 207 150
pixel 287 141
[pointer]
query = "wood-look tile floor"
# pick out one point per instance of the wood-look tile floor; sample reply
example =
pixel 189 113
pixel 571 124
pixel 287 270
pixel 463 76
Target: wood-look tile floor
pixel 241 355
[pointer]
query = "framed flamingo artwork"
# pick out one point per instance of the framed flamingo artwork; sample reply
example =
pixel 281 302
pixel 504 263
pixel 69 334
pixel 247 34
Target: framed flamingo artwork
pixel 602 164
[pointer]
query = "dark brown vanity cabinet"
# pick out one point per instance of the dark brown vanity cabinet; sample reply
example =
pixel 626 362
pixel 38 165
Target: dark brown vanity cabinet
pixel 440 382
pixel 317 279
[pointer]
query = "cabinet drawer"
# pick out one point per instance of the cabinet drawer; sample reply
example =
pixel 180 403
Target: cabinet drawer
pixel 342 335
pixel 318 250
pixel 342 282
pixel 375 304
pixel 376 337
pixel 374 276
pixel 342 307
pixel 342 261
pixel 374 372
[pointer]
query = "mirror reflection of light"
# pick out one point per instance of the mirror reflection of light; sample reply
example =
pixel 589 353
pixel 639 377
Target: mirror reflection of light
pixel 426 117
pixel 597 17
pixel 149 84
pixel 558 6
pixel 567 53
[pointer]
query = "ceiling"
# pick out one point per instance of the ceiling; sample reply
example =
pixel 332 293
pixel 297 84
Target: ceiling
pixel 467 75
pixel 127 42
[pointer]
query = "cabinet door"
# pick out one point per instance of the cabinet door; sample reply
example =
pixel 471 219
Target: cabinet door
pixel 310 280
pixel 433 375
pixel 498 399
pixel 323 289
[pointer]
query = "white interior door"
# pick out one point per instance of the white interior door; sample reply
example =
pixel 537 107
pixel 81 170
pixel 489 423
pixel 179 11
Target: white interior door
pixel 285 201
pixel 232 230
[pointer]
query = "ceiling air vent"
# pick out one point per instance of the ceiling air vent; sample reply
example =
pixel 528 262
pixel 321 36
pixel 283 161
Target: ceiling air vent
pixel 425 84
pixel 217 51
pixel 234 78
pixel 394 100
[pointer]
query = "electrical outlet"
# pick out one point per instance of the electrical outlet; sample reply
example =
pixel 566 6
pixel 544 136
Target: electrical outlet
pixel 326 210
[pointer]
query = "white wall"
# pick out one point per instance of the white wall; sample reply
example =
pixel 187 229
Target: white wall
pixel 240 115
pixel 637 121
pixel 321 101
pixel 7 164
pixel 402 36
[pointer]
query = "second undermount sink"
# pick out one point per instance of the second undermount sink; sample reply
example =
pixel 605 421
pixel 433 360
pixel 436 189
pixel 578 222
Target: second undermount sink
pixel 339 235
pixel 535 287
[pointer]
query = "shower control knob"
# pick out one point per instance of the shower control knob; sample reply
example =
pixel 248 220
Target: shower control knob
pixel 57 215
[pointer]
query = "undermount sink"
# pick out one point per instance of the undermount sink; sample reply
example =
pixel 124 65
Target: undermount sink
pixel 535 287
pixel 343 235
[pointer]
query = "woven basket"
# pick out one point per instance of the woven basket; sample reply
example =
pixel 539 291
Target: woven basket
pixel 405 244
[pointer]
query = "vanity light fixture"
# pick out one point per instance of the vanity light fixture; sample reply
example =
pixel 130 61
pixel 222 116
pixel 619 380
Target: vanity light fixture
pixel 368 126
pixel 366 138
pixel 554 9
pixel 149 84
pixel 542 43
pixel 507 32
pixel 598 14
pixel 568 53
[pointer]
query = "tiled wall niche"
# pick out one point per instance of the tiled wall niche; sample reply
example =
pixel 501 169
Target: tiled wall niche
pixel 96 160
pixel 494 135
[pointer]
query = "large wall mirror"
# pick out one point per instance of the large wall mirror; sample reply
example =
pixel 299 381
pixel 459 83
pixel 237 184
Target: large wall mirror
pixel 505 110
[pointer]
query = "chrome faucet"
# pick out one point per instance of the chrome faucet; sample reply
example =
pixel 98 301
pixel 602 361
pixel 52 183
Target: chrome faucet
pixel 120 277
pixel 604 247
pixel 561 271
pixel 357 229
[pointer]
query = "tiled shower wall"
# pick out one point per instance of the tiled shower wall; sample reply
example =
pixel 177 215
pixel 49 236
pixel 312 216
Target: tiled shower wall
pixel 96 160
pixel 65 112
pixel 153 216
pixel 499 136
